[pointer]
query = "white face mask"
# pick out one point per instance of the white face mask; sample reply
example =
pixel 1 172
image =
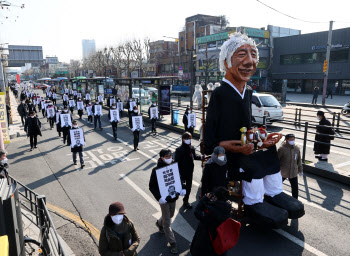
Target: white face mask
pixel 221 158
pixel 32 116
pixel 114 107
pixel 4 161
pixel 65 111
pixel 117 219
pixel 130 100
pixel 136 111
pixel 168 161
pixel 189 111
pixel 59 110
pixel 188 142
pixel 318 118
pixel 291 142
pixel 75 126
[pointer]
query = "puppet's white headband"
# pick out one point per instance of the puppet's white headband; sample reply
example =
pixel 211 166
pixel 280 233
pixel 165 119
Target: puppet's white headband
pixel 230 46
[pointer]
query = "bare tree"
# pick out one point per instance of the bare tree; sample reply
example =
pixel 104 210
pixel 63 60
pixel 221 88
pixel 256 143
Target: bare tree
pixel 74 67
pixel 223 21
pixel 209 64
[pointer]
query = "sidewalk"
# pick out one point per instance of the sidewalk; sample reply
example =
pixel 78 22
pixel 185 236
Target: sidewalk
pixel 16 129
pixel 305 100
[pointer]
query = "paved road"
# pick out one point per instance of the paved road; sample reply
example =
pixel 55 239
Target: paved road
pixel 114 172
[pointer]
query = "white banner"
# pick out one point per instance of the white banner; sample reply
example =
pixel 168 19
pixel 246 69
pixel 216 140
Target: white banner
pixel 66 90
pixel 71 103
pixel 43 104
pixel 79 95
pixel 58 117
pixel 65 120
pixel 46 104
pixel 137 123
pixel 75 93
pixel 38 100
pixel 191 120
pixel 49 94
pixel 154 112
pixel 89 111
pixel 100 98
pixel 114 115
pixel 87 96
pixel 132 105
pixel 28 94
pixel 120 106
pixel 77 137
pixel 50 112
pixel 98 110
pixel 80 105
pixel 54 96
pixel 65 97
pixel 111 101
pixel 169 182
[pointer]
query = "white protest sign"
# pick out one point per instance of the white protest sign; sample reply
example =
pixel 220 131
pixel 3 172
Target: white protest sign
pixel 100 98
pixel 71 103
pixel 66 120
pixel 54 96
pixel 66 90
pixel 50 112
pixel 87 96
pixel 98 110
pixel 75 93
pixel 154 112
pixel 46 104
pixel 111 101
pixel 169 182
pixel 77 138
pixel 28 94
pixel 132 105
pixel 49 94
pixel 137 123
pixel 120 106
pixel 191 120
pixel 65 97
pixel 80 105
pixel 58 117
pixel 114 115
pixel 79 94
pixel 89 111
pixel 43 104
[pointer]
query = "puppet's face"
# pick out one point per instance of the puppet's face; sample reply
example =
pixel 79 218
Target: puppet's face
pixel 244 62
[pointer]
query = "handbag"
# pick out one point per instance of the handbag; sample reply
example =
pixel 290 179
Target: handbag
pixel 227 236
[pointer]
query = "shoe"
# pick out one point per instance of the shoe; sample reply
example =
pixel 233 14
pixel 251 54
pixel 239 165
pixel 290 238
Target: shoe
pixel 138 149
pixel 59 135
pixel 35 146
pixel 101 129
pixel 31 149
pixel 82 166
pixel 187 205
pixel 75 163
pixel 323 159
pixel 173 248
pixel 134 149
pixel 161 229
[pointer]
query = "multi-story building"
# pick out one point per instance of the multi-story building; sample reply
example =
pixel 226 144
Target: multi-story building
pixel 89 47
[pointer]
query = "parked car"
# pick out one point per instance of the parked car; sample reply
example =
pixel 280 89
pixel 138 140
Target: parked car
pixel 268 105
pixel 41 86
pixel 145 97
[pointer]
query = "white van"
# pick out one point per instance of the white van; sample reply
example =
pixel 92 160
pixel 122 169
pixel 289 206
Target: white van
pixel 268 105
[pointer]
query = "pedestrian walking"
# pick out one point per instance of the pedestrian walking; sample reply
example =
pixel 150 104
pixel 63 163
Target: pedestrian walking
pixel 65 124
pixel 23 111
pixel 324 134
pixel 110 101
pixel 71 105
pixel 168 204
pixel 89 112
pixel 100 99
pixel 76 146
pixel 136 131
pixel 315 95
pixel 65 99
pixel 31 107
pixel 118 236
pixel 33 128
pixel 129 106
pixel 290 161
pixel 58 121
pixel 185 156
pixel 54 98
pixel 329 92
pixel 97 112
pixel 153 118
pixel 120 107
pixel 185 121
pixel 3 164
pixel 80 107
pixel 215 173
pixel 113 117
pixel 50 113
pixel 211 211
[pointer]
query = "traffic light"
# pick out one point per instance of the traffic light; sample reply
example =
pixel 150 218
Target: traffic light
pixel 325 64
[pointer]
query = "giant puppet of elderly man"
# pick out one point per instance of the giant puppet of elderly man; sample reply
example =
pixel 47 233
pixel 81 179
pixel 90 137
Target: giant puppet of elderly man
pixel 229 110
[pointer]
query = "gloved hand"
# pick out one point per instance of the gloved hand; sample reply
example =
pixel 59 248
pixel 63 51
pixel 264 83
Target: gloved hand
pixel 183 192
pixel 162 201
pixel 168 199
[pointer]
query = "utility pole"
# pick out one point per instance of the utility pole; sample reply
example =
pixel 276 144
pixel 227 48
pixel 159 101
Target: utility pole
pixel 326 64
pixel 192 76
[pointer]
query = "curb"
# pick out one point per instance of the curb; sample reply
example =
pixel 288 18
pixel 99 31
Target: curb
pixel 327 174
pixel 313 105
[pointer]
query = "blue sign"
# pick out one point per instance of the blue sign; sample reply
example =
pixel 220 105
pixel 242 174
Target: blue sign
pixel 146 82
pixel 108 91
pixel 180 68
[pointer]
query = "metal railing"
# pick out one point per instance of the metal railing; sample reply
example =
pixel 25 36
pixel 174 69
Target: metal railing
pixel 36 205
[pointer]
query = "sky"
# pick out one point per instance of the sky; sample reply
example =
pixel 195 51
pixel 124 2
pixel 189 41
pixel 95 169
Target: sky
pixel 60 25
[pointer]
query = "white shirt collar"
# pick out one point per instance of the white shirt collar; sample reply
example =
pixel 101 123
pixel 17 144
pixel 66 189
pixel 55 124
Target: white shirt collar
pixel 234 87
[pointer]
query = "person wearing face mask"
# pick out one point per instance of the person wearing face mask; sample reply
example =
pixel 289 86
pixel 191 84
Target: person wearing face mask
pixel 215 173
pixel 118 236
pixel 185 121
pixel 31 107
pixel 154 119
pixel 88 109
pixel 168 204
pixel 50 110
pixel 33 128
pixel 130 111
pixel 3 164
pixel 65 127
pixel 113 122
pixel 77 149
pixel 58 121
pixel 65 100
pixel 120 108
pixel 23 111
pixel 97 114
pixel 80 107
pixel 71 105
pixel 110 101
pixel 324 134
pixel 290 161
pixel 185 156
pixel 136 133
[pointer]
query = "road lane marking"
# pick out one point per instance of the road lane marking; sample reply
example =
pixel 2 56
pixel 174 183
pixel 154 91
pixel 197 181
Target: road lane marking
pixel 304 201
pixel 333 151
pixel 299 242
pixel 139 151
pixel 342 164
pixel 180 225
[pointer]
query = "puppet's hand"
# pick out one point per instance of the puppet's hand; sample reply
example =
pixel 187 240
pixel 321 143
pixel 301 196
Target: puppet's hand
pixel 272 139
pixel 235 146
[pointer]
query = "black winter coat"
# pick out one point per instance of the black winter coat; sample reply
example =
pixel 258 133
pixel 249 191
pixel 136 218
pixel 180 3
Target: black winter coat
pixel 214 176
pixel 210 215
pixel 321 148
pixel 134 114
pixel 184 155
pixel 22 109
pixel 76 148
pixel 32 126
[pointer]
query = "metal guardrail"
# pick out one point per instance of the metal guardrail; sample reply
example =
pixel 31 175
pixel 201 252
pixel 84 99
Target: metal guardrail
pixel 36 205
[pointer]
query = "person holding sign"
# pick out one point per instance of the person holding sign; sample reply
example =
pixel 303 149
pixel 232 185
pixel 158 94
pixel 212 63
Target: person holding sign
pixel 110 101
pixel 184 155
pixel 97 111
pixel 100 99
pixel 65 100
pixel 54 98
pixel 153 116
pixel 120 107
pixel 50 113
pixel 130 106
pixel 189 123
pixel 136 126
pixel 88 109
pixel 32 127
pixel 71 105
pixel 76 140
pixel 87 98
pixel 80 107
pixel 113 116
pixel 66 123
pixel 167 197
pixel 58 121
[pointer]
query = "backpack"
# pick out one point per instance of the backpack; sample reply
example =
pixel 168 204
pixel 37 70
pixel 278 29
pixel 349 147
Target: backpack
pixel 227 236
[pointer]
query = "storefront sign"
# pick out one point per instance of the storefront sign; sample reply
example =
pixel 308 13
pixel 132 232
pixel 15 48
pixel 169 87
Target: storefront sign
pixel 256 33
pixel 215 37
pixel 323 47
pixel 3 119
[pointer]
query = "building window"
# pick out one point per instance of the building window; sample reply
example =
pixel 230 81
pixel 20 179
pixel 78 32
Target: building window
pixel 182 49
pixel 182 38
pixel 197 35
pixel 313 58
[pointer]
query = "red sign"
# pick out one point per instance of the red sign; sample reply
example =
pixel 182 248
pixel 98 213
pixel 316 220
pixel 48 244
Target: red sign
pixel 18 79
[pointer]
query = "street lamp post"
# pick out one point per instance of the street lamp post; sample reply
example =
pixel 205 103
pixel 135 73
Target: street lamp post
pixel 192 76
